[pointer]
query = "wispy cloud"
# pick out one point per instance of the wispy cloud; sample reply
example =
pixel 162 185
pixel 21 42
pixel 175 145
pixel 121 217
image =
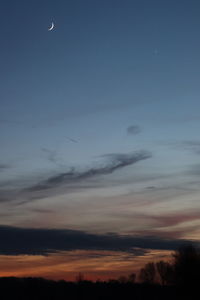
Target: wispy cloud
pixel 4 167
pixel 73 179
pixel 113 163
pixel 13 122
pixel 194 170
pixel 71 140
pixel 192 145
pixel 133 130
pixel 176 219
pixel 52 156
pixel 30 241
pixel 189 145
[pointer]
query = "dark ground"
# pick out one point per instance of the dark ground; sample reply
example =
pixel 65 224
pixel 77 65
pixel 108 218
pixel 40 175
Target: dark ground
pixel 41 289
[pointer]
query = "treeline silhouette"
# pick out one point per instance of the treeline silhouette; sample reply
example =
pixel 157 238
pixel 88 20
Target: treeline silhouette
pixel 177 279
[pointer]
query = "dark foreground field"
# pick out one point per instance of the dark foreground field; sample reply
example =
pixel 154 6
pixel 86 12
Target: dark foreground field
pixel 41 289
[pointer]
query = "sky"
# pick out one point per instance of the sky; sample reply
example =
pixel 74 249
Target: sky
pixel 99 129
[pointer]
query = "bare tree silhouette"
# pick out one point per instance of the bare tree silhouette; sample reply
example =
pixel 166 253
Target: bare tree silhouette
pixel 80 277
pixel 187 266
pixel 148 273
pixel 165 271
pixel 132 277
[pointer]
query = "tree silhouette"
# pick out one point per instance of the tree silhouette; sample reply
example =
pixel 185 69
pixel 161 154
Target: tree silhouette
pixel 80 277
pixel 132 277
pixel 122 279
pixel 165 271
pixel 187 266
pixel 148 273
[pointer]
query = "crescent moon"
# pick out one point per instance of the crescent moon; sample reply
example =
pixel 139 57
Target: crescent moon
pixel 52 26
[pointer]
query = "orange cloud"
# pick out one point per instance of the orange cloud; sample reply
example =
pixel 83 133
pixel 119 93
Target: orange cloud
pixel 66 265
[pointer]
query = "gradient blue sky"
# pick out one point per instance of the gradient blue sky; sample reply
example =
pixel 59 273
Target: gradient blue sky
pixel 99 118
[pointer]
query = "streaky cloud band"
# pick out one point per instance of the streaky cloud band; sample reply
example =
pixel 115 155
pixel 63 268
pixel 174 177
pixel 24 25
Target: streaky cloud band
pixel 31 241
pixel 71 180
pixel 115 161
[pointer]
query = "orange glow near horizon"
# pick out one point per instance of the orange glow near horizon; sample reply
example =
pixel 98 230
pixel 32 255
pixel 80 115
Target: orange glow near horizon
pixel 94 265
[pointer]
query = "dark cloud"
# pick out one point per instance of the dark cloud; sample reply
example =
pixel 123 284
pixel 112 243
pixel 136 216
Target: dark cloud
pixel 19 241
pixel 152 187
pixel 133 129
pixel 4 167
pixel 113 163
pixel 51 155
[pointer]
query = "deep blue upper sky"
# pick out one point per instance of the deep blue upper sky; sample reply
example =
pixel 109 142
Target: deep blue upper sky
pixel 113 77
